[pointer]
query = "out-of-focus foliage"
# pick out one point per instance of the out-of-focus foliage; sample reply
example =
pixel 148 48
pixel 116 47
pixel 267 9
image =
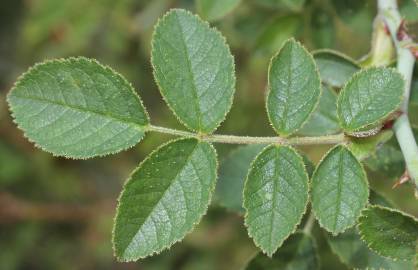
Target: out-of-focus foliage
pixel 57 213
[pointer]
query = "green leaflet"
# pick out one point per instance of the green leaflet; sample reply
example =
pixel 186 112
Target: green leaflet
pixel 369 97
pixel 275 196
pixel 294 5
pixel 324 120
pixel 297 253
pixel 294 88
pixel 339 190
pixel 194 70
pixel 164 198
pixel 354 252
pixel 334 67
pixel 387 162
pixel 389 232
pixel 77 108
pixel 276 32
pixel 309 166
pixel 213 10
pixel 363 148
pixel 232 173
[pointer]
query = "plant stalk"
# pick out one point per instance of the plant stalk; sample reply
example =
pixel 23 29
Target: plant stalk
pixel 309 223
pixel 231 139
pixel 388 9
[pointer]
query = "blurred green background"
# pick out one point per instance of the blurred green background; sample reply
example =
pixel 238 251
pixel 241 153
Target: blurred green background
pixel 57 213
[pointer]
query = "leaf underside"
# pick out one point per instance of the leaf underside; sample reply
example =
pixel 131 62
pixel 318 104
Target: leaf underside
pixel 164 198
pixel 275 196
pixel 232 173
pixel 354 252
pixel 324 120
pixel 213 10
pixel 297 253
pixel 294 88
pixel 334 68
pixel 389 232
pixel 77 108
pixel 194 70
pixel 339 190
pixel 368 97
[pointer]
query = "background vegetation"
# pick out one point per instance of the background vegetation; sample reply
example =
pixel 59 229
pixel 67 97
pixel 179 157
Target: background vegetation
pixel 57 213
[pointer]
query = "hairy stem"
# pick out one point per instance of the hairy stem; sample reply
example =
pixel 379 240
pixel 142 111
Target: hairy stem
pixel 309 223
pixel 231 139
pixel 388 9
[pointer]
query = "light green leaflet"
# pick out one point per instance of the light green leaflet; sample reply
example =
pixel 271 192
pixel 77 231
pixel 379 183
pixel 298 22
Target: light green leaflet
pixel 389 232
pixel 354 252
pixel 77 108
pixel 363 148
pixel 369 97
pixel 164 198
pixel 194 70
pixel 294 5
pixel 276 32
pixel 339 190
pixel 324 120
pixel 294 88
pixel 232 174
pixel 275 196
pixel 334 67
pixel 213 10
pixel 388 162
pixel 297 253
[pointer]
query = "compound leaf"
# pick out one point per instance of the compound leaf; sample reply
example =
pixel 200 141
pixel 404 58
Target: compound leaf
pixel 232 173
pixel 77 108
pixel 213 10
pixel 164 198
pixel 368 97
pixel 334 67
pixel 389 232
pixel 339 190
pixel 299 252
pixel 275 196
pixel 324 120
pixel 294 88
pixel 194 70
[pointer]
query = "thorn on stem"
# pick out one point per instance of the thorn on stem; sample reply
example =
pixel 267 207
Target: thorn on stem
pixel 402 34
pixel 403 179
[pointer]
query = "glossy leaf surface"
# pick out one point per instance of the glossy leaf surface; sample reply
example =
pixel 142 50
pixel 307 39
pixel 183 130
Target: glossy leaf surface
pixel 164 198
pixel 369 97
pixel 339 190
pixel 389 232
pixel 77 108
pixel 275 196
pixel 294 88
pixel 194 70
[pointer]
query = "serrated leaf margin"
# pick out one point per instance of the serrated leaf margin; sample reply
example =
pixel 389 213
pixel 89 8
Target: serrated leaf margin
pixel 17 83
pixel 363 215
pixel 211 192
pixel 367 184
pixel 306 204
pixel 342 92
pixel 219 34
pixel 268 87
